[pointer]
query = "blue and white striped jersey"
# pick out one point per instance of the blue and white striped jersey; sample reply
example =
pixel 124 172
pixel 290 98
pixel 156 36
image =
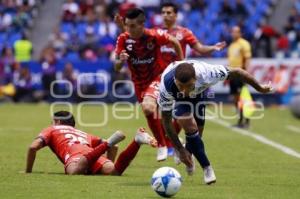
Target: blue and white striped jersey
pixel 206 75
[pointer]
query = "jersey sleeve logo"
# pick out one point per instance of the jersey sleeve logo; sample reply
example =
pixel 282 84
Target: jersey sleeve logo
pixel 160 32
pixel 179 36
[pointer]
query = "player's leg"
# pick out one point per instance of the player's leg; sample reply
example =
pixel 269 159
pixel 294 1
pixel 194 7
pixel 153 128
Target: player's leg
pixel 102 166
pixel 150 110
pixel 76 165
pixel 235 88
pixel 93 155
pixel 194 143
pixel 190 115
pixel 112 153
pixel 209 174
pixel 132 149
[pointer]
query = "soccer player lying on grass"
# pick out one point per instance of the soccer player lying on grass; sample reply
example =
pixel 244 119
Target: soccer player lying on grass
pixel 82 153
pixel 181 96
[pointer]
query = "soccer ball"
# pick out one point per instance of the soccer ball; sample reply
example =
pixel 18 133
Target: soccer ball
pixel 166 181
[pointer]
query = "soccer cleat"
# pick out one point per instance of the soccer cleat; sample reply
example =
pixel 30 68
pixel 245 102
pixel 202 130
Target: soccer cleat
pixel 209 175
pixel 162 153
pixel 115 138
pixel 190 170
pixel 142 137
pixel 171 151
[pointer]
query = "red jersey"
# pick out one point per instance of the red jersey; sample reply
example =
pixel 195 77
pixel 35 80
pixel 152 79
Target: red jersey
pixel 184 36
pixel 144 61
pixel 62 139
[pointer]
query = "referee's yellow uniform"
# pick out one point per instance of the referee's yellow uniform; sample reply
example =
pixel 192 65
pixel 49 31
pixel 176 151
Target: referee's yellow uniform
pixel 238 51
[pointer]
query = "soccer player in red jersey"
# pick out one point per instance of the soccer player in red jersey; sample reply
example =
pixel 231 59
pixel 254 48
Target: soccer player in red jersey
pixel 82 153
pixel 183 35
pixel 140 48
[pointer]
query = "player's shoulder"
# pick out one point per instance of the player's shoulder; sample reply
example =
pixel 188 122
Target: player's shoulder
pixel 154 32
pixel 48 129
pixel 124 35
pixel 243 41
pixel 184 30
pixel 181 28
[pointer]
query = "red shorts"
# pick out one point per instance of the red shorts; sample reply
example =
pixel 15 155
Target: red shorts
pixel 78 151
pixel 152 90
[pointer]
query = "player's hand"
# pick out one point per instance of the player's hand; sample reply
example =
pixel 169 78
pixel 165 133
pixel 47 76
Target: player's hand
pixel 124 56
pixel 266 88
pixel 118 19
pixel 185 157
pixel 220 45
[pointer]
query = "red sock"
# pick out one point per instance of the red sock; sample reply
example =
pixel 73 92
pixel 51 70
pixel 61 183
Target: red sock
pixel 157 129
pixel 126 157
pixel 96 153
pixel 169 143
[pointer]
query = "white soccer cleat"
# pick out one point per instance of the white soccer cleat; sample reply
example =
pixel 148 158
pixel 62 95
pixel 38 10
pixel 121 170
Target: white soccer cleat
pixel 162 153
pixel 115 138
pixel 142 137
pixel 190 170
pixel 209 175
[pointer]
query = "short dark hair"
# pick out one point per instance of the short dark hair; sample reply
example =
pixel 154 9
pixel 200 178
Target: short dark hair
pixel 135 13
pixel 184 72
pixel 169 4
pixel 65 118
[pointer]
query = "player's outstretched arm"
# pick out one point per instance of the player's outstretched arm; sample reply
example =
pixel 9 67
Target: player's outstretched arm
pixel 177 47
pixel 36 145
pixel 244 76
pixel 204 49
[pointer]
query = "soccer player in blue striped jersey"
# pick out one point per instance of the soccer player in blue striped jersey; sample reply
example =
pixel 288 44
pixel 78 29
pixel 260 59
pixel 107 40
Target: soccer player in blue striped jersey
pixel 181 97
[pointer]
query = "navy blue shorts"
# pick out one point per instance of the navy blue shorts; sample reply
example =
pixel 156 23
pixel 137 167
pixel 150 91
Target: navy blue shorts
pixel 195 106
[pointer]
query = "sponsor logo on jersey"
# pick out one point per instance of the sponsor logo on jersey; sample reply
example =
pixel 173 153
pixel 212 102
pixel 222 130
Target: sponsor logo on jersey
pixel 137 61
pixel 179 36
pixel 129 47
pixel 166 49
pixel 130 41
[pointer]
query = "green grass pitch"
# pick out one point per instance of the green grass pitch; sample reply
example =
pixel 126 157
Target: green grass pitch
pixel 245 168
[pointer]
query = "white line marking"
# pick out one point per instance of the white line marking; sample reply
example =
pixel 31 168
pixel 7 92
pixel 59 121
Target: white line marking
pixel 293 128
pixel 259 138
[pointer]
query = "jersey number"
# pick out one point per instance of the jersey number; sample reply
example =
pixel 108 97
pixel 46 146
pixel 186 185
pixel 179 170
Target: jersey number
pixel 76 139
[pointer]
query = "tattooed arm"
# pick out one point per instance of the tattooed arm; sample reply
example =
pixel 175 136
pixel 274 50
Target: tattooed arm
pixel 244 76
pixel 185 156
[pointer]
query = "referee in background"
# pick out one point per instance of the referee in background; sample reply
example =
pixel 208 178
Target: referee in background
pixel 239 55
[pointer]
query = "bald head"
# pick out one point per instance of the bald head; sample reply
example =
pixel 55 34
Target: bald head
pixel 236 32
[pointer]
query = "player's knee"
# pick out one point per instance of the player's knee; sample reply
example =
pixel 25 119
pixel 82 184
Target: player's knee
pixel 189 125
pixel 149 108
pixel 107 168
